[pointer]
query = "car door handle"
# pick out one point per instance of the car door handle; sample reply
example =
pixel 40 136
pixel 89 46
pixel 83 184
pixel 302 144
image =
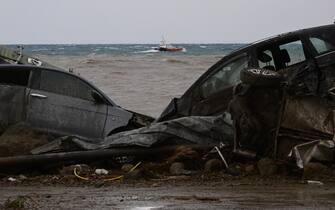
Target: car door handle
pixel 36 95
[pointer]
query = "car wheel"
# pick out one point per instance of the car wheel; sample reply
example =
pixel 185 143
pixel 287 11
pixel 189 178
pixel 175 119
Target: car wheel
pixel 260 77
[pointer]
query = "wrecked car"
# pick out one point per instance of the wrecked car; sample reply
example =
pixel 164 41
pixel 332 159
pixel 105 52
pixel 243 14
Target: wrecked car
pixel 279 93
pixel 60 103
pixel 308 50
pixel 16 56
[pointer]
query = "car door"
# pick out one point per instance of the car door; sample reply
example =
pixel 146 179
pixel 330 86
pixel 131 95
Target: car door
pixel 13 89
pixel 291 57
pixel 322 42
pixel 214 92
pixel 62 103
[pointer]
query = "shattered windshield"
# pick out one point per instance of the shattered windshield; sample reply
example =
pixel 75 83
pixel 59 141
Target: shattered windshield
pixel 226 75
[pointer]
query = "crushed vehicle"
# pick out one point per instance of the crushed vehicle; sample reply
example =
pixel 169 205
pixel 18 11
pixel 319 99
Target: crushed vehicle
pixel 60 103
pixel 279 91
pixel 306 49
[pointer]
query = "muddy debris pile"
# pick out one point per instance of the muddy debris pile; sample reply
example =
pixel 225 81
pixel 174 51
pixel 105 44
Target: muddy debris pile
pixel 180 164
pixel 272 127
pixel 179 149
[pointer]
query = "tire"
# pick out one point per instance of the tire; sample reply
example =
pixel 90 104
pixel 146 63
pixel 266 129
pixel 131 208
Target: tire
pixel 261 77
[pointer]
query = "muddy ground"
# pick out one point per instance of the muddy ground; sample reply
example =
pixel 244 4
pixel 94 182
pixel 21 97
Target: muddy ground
pixel 165 185
pixel 219 191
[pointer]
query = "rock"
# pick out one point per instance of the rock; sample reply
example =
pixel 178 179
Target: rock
pixel 135 175
pixel 22 177
pixel 188 156
pixel 233 171
pixel 250 169
pixel 267 167
pixel 11 179
pixel 155 185
pixel 126 167
pixel 312 170
pixel 178 168
pixel 69 170
pixel 101 171
pixel 213 165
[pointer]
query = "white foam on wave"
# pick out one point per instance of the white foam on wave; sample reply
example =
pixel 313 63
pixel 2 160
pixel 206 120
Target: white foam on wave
pixel 40 49
pixel 148 51
pixel 111 48
pixel 203 46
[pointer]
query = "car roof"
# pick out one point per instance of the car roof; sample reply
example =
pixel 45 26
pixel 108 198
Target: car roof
pixel 35 68
pixel 283 35
pixel 249 46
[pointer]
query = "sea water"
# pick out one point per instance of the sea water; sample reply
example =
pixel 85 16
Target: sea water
pixel 135 76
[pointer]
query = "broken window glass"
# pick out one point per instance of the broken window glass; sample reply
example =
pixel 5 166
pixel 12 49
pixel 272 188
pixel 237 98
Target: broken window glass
pixel 14 77
pixel 227 75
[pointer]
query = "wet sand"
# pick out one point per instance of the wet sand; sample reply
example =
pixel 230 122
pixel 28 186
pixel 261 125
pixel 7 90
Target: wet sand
pixel 189 195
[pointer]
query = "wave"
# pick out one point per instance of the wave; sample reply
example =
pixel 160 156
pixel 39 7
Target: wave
pixel 89 61
pixel 148 51
pixel 40 49
pixel 111 48
pixel 172 60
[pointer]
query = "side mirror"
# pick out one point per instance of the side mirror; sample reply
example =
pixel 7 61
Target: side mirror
pixel 97 97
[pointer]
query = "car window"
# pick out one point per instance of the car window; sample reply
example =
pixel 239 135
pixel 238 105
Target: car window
pixel 226 75
pixel 265 60
pixel 280 55
pixel 323 42
pixel 321 46
pixel 292 53
pixel 64 84
pixel 14 77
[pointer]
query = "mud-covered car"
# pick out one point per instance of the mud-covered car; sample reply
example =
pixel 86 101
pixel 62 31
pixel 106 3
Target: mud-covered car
pixel 305 58
pixel 61 103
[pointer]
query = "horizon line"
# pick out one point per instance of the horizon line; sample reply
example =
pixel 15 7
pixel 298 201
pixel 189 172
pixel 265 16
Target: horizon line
pixel 176 43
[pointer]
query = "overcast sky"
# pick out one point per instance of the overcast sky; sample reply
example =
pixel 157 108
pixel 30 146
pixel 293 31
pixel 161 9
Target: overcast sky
pixel 145 21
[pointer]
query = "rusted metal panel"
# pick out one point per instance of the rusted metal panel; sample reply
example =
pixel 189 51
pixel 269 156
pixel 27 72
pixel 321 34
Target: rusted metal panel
pixel 308 113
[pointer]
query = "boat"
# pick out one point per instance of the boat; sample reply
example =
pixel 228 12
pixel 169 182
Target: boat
pixel 164 47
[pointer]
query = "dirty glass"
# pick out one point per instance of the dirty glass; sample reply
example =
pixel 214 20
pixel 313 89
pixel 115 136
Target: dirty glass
pixel 227 75
pixel 65 84
pixel 14 77
pixel 321 45
pixel 295 51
